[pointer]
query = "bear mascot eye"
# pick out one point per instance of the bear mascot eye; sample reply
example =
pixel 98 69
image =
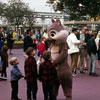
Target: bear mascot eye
pixel 52 33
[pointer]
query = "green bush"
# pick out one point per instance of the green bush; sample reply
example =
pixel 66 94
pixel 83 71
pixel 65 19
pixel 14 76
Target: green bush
pixel 16 42
pixel 19 42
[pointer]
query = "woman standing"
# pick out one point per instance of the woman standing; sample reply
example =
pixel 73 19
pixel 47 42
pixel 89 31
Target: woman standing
pixel 10 41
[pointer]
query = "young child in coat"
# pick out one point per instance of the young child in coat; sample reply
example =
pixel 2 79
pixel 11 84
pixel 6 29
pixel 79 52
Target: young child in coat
pixel 15 75
pixel 47 75
pixel 41 47
pixel 31 74
pixel 4 59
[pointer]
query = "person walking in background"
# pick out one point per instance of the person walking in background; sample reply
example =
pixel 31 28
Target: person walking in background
pixel 92 50
pixel 28 42
pixel 33 34
pixel 87 37
pixel 16 36
pixel 38 36
pixel 33 38
pixel 46 36
pixel 82 48
pixel 73 50
pixel 97 40
pixel 0 46
pixel 41 48
pixel 4 59
pixel 47 75
pixel 10 41
pixel 15 75
pixel 31 75
pixel 2 38
pixel 2 30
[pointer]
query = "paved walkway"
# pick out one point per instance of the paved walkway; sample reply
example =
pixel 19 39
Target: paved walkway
pixel 85 87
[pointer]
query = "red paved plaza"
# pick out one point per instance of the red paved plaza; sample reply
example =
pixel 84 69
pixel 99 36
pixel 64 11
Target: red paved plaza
pixel 85 87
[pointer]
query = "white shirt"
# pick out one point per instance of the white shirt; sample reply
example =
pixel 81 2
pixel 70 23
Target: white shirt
pixel 73 43
pixel 97 42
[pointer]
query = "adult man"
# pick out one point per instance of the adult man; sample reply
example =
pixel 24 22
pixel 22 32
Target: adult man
pixel 92 50
pixel 83 50
pixel 87 37
pixel 10 41
pixel 28 42
pixel 73 50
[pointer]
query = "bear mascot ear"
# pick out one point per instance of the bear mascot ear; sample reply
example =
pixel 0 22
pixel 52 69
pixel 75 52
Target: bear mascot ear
pixel 58 21
pixel 53 21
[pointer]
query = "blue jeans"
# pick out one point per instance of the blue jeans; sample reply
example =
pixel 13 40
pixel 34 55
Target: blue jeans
pixel 92 63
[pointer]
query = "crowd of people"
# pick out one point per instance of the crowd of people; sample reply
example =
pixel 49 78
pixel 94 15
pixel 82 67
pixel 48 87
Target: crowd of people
pixel 8 37
pixel 30 41
pixel 84 50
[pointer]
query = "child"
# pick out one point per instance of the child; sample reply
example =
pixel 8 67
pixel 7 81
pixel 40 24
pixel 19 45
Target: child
pixel 92 50
pixel 15 76
pixel 31 74
pixel 47 74
pixel 41 47
pixel 4 59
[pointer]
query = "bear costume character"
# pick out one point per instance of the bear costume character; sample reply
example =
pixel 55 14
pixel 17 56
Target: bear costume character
pixel 57 36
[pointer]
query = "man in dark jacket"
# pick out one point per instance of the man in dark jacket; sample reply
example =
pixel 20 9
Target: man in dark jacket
pixel 92 50
pixel 28 42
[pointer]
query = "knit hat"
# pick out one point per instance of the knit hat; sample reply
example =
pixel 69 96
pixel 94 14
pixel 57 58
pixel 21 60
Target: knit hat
pixel 12 60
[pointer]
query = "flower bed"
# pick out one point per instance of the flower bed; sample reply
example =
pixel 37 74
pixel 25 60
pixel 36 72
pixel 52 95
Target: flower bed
pixel 17 44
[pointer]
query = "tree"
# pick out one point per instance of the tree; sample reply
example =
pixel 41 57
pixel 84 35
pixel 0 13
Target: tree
pixel 2 11
pixel 16 11
pixel 29 18
pixel 78 8
pixel 1 8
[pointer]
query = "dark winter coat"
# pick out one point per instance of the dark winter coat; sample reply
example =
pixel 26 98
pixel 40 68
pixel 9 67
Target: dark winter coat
pixel 91 46
pixel 10 41
pixel 4 59
pixel 28 42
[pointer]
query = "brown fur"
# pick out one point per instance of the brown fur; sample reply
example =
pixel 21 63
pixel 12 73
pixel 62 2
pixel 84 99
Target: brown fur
pixel 59 57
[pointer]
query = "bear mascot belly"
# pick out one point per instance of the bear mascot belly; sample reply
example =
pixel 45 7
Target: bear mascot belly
pixel 57 36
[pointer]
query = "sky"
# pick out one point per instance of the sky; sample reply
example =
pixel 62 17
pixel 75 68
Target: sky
pixel 37 5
